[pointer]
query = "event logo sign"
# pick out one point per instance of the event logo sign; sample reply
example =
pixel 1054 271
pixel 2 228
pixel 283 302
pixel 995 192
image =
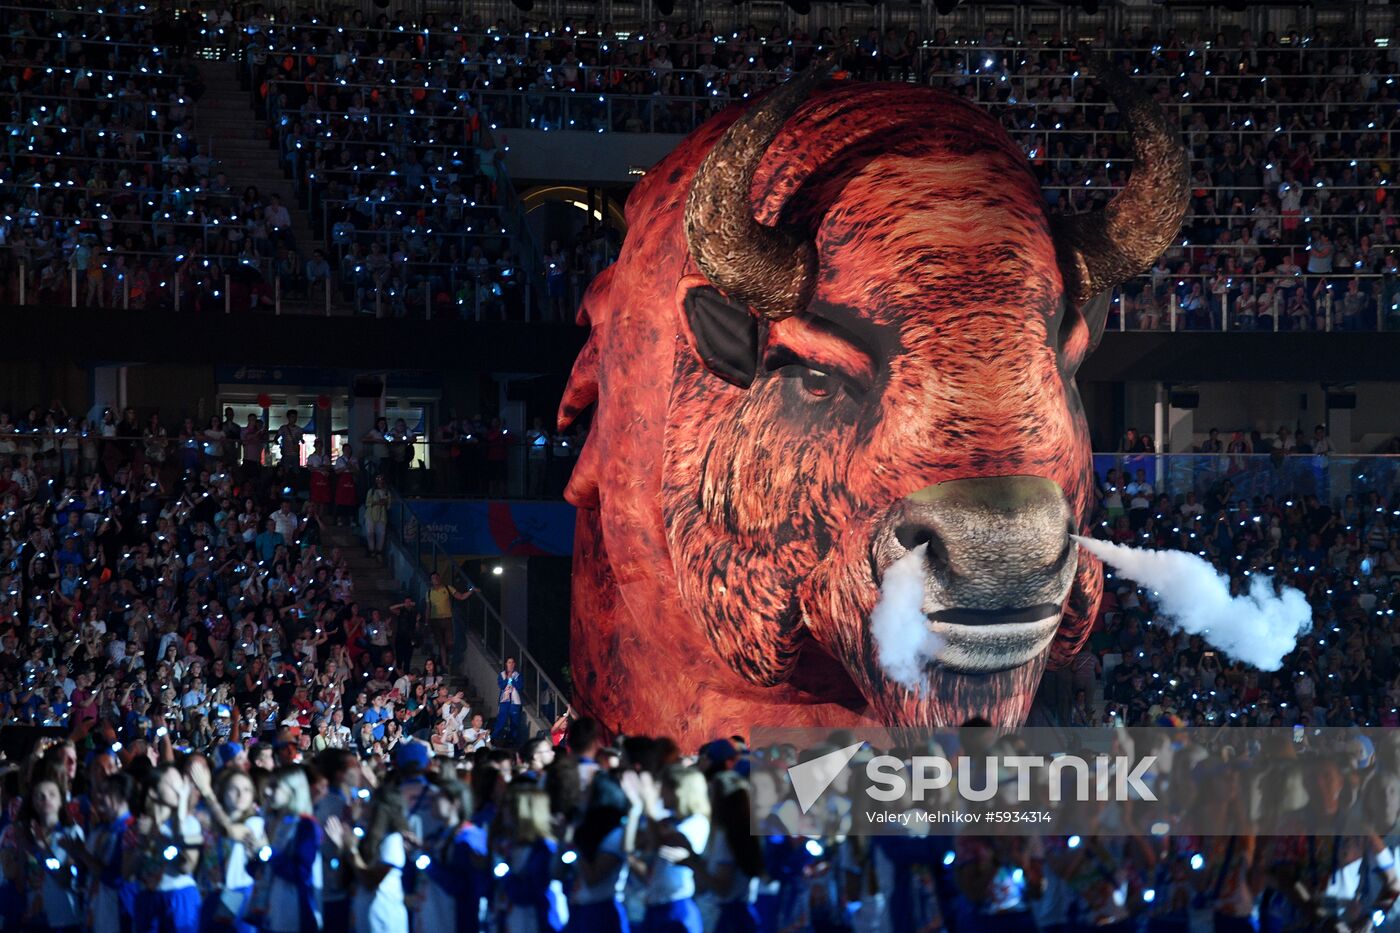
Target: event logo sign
pixel 492 528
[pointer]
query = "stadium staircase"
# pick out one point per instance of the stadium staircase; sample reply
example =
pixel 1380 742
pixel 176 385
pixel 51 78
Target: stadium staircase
pixel 376 588
pixel 249 155
pixel 484 639
pixel 244 153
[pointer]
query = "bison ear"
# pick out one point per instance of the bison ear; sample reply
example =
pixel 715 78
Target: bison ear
pixel 1081 328
pixel 723 334
pixel 1095 312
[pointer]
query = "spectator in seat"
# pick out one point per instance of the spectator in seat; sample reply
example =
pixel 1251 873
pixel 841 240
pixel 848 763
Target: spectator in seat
pixel 318 273
pixel 1245 314
pixel 1353 306
pixel 279 221
pixel 1193 308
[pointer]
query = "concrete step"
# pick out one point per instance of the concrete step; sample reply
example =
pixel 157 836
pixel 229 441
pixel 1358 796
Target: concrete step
pixel 247 150
pixel 245 153
pixel 233 132
pixel 248 136
pixel 373 580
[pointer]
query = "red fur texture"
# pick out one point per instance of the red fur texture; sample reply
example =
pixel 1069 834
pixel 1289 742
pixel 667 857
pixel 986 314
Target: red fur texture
pixel 723 576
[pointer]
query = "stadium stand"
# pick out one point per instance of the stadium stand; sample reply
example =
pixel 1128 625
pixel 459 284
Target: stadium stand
pixel 388 132
pixel 191 615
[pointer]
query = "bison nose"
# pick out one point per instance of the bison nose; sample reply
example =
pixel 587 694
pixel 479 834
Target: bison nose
pixel 999 539
pixel 998 565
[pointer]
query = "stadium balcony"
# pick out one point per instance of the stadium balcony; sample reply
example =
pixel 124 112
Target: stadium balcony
pixel 397 135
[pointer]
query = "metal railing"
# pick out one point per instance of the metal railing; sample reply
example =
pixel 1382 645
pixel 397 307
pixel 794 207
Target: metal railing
pixel 540 477
pixel 542 699
pixel 1162 302
pixel 135 280
pixel 1287 477
pixel 235 285
pixel 1250 303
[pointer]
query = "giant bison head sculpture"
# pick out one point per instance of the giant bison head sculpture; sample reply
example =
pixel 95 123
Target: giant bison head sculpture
pixel 843 324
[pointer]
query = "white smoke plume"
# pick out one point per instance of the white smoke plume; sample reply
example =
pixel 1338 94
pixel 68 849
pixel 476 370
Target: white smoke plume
pixel 1258 628
pixel 903 643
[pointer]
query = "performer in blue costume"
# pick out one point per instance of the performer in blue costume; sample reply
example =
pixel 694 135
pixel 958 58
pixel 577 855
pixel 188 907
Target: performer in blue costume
pixel 600 872
pixel 532 900
pixel 683 822
pixel 161 849
pixel 508 720
pixel 232 857
pixel 288 892
pixel 731 865
pixel 114 895
pixel 449 866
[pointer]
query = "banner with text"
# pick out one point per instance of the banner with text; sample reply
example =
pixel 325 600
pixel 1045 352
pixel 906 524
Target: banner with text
pixel 482 528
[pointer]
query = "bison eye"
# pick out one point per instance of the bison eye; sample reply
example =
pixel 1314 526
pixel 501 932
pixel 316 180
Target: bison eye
pixel 815 384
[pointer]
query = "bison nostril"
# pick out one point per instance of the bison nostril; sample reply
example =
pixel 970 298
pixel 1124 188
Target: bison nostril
pixel 911 536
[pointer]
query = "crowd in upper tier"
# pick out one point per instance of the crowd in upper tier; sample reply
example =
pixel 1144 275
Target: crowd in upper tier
pixel 1289 136
pixel 393 130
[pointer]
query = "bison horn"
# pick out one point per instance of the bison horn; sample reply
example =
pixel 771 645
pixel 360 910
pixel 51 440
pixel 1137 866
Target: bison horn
pixel 1106 248
pixel 771 269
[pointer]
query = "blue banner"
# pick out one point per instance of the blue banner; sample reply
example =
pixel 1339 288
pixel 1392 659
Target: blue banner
pixel 480 528
pixel 1254 476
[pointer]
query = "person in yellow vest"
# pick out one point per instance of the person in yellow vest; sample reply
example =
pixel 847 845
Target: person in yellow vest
pixel 440 597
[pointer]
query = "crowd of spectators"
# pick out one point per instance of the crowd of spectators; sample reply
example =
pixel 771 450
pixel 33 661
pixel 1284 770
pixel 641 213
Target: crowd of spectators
pixel 396 170
pixel 480 456
pixel 586 837
pixel 171 574
pixel 393 129
pixel 1290 226
pixel 234 739
pixel 111 195
pixel 233 736
pixel 1329 530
